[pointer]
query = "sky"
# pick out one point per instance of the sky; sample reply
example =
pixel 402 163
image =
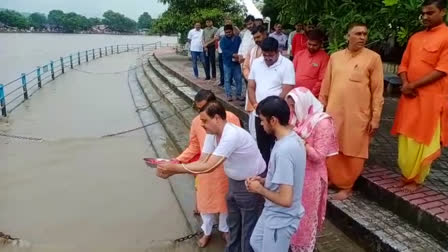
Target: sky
pixel 89 8
pixel 96 8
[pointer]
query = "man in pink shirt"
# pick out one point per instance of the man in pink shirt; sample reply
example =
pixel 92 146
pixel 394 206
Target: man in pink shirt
pixel 310 64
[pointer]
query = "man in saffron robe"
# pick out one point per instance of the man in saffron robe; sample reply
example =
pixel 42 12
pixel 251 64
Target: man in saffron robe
pixel 352 92
pixel 421 117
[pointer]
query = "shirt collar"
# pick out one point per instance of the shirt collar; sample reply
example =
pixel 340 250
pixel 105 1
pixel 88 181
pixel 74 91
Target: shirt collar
pixel 279 61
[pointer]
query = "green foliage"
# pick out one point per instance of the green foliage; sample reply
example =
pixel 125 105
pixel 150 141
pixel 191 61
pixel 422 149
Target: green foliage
pixel 95 21
pixel 144 21
pixel 73 22
pixel 118 22
pixel 56 18
pixel 14 19
pixel 389 21
pixel 37 20
pixel 182 14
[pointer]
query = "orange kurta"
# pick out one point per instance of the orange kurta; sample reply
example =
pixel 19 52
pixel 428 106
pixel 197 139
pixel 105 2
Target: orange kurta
pixel 417 118
pixel 212 187
pixel 352 92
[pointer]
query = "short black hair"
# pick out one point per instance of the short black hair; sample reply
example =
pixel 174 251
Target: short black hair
pixel 274 106
pixel 208 19
pixel 269 45
pixel 355 24
pixel 315 35
pixel 249 18
pixel 259 29
pixel 204 95
pixel 213 108
pixel 228 27
pixel 441 4
pixel 259 19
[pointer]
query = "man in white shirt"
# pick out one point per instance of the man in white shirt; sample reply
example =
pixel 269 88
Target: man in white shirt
pixel 195 38
pixel 269 75
pixel 233 146
pixel 247 42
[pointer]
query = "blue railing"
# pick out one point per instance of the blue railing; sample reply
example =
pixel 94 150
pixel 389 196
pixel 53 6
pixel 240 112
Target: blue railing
pixel 17 91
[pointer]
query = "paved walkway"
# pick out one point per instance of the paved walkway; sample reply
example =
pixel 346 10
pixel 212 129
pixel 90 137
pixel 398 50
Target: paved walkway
pixel 76 191
pixel 383 149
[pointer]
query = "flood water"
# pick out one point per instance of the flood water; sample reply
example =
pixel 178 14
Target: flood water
pixel 76 190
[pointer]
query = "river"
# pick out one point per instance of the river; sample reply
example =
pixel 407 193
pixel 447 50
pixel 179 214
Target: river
pixel 22 52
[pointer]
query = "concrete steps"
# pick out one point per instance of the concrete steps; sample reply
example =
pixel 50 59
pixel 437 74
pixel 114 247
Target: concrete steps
pixel 365 217
pixel 172 134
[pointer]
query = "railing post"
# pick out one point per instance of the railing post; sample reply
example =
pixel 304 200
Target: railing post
pixel 2 100
pixel 39 80
pixel 101 53
pixel 105 50
pixel 52 69
pixel 93 52
pixel 25 90
pixel 112 49
pixel 143 47
pixel 118 50
pixel 79 58
pixel 71 61
pixel 127 46
pixel 87 56
pixel 62 65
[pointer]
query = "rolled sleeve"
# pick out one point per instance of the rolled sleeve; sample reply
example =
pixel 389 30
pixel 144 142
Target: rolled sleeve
pixel 289 76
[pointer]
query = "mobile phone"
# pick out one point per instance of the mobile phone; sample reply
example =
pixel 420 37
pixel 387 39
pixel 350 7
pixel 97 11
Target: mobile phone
pixel 153 162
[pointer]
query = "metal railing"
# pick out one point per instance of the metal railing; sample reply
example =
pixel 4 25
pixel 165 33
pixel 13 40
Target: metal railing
pixel 17 91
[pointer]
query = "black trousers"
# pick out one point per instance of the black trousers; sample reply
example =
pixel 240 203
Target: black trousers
pixel 210 61
pixel 265 141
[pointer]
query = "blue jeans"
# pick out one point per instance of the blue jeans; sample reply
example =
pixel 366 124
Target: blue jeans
pixel 221 69
pixel 233 72
pixel 194 58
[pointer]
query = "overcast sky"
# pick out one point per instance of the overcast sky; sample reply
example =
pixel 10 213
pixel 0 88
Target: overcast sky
pixel 89 8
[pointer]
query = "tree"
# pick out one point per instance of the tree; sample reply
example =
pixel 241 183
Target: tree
pixel 118 22
pixel 14 19
pixel 390 22
pixel 95 21
pixel 73 22
pixel 145 21
pixel 56 18
pixel 37 20
pixel 182 14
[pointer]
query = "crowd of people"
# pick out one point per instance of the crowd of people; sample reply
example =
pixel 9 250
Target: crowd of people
pixel 311 121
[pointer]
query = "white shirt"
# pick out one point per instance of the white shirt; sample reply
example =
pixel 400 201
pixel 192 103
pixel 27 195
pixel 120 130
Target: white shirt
pixel 270 80
pixel 196 44
pixel 247 44
pixel 243 159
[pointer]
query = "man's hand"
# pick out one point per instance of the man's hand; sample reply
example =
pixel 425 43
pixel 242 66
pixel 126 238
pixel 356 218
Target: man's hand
pixel 372 128
pixel 254 186
pixel 408 90
pixel 165 170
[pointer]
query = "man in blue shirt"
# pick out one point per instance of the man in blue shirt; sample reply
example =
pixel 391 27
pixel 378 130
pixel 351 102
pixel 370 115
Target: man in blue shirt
pixel 232 69
pixel 283 185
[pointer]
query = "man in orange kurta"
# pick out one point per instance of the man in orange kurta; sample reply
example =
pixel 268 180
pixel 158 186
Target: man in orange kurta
pixel 421 117
pixel 352 92
pixel 211 187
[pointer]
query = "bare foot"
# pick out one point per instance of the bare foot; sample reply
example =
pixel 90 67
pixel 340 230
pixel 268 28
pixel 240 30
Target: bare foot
pixel 342 194
pixel 226 237
pixel 411 187
pixel 400 183
pixel 202 243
